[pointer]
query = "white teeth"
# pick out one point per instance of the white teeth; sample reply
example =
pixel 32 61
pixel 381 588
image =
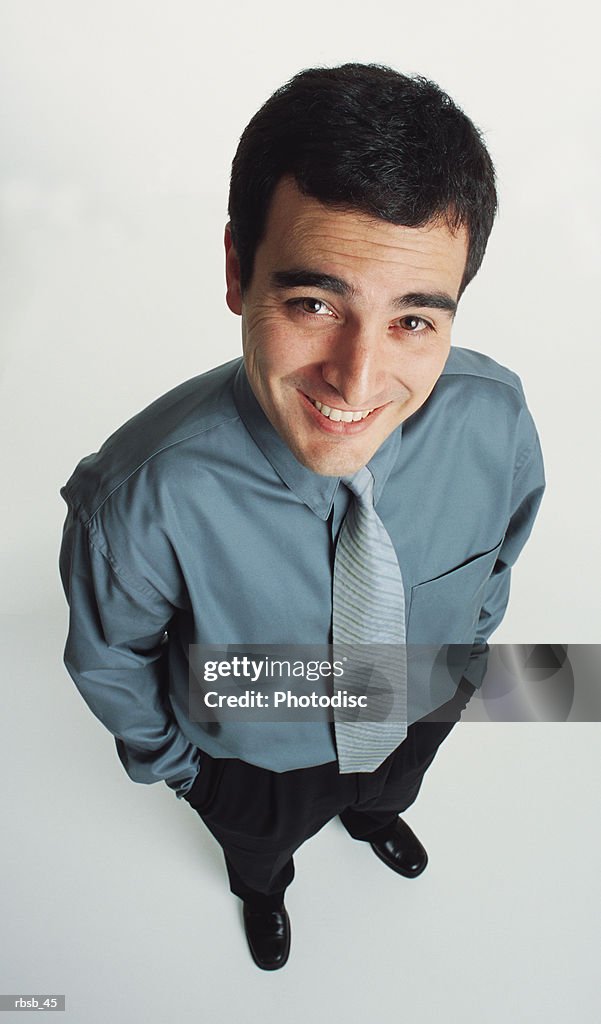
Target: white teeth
pixel 337 415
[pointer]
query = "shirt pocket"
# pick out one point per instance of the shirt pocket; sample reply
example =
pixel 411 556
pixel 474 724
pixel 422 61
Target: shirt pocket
pixel 446 609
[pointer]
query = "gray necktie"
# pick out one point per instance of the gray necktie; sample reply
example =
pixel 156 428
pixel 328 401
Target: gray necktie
pixel 369 608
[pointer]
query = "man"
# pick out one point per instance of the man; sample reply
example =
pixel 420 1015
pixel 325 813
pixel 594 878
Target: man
pixel 352 479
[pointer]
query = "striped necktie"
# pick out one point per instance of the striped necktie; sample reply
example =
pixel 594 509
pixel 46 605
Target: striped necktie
pixel 368 607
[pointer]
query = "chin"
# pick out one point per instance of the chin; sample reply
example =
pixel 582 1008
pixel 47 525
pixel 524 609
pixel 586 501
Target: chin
pixel 333 463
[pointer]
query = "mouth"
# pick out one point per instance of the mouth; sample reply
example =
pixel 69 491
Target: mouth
pixel 341 415
pixel 339 422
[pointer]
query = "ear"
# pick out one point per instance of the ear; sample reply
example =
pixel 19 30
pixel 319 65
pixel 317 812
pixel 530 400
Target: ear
pixel 233 295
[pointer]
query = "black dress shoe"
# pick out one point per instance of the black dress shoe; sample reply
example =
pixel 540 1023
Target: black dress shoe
pixel 401 850
pixel 268 936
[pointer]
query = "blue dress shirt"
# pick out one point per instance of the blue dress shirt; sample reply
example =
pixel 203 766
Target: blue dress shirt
pixel 195 524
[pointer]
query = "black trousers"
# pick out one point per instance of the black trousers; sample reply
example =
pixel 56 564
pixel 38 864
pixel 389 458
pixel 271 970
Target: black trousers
pixel 261 817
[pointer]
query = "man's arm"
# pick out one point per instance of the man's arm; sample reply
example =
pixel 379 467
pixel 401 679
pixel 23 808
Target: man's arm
pixel 116 655
pixel 527 493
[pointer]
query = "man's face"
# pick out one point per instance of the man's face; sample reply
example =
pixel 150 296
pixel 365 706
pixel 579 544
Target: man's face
pixel 345 312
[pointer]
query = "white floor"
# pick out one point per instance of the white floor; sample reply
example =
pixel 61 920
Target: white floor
pixel 115 895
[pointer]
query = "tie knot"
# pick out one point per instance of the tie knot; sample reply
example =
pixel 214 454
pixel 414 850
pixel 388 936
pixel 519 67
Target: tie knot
pixel 361 484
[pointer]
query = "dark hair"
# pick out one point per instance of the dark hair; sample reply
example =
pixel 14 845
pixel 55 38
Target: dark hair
pixel 364 137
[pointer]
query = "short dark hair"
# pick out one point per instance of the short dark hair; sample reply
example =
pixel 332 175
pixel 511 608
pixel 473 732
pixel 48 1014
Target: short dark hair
pixel 365 137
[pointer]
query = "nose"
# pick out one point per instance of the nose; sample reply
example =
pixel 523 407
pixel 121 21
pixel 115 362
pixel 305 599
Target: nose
pixel 355 368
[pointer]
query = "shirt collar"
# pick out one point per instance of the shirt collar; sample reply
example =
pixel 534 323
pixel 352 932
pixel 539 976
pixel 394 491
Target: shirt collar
pixel 314 490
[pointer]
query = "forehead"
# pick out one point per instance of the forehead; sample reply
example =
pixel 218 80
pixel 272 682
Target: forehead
pixel 302 232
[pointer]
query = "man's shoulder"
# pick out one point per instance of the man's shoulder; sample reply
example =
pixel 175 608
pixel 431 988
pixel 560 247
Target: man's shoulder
pixel 467 364
pixel 481 399
pixel 200 405
pixel 478 408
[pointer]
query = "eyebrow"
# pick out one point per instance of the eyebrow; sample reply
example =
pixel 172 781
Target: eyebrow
pixel 302 278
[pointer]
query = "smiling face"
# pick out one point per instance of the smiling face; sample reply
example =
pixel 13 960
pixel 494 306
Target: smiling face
pixel 346 324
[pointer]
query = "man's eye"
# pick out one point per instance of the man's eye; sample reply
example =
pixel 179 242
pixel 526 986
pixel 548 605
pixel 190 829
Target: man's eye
pixel 313 307
pixel 414 324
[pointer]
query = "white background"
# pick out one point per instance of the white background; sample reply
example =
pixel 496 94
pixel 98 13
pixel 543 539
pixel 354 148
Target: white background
pixel 120 120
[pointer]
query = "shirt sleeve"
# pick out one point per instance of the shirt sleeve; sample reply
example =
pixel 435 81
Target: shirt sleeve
pixel 527 492
pixel 116 653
